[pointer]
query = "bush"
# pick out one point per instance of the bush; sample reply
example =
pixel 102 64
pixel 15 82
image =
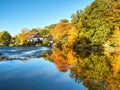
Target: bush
pixel 45 42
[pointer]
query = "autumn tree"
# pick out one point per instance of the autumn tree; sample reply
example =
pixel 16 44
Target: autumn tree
pixel 60 32
pixel 97 22
pixel 21 38
pixel 115 39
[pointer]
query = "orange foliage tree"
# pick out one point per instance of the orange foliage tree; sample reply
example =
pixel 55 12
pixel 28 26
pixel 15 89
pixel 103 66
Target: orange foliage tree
pixel 61 31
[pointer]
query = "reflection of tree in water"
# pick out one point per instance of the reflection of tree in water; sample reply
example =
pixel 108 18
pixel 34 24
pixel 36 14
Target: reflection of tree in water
pixel 96 71
pixel 58 59
pixel 92 71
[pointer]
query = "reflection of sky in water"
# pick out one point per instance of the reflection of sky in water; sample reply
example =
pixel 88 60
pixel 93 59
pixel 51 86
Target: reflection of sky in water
pixel 34 74
pixel 28 69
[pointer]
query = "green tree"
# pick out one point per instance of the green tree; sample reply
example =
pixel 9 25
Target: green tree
pixel 34 30
pixel 5 38
pixel 50 27
pixel 45 42
pixel 64 20
pixel 44 32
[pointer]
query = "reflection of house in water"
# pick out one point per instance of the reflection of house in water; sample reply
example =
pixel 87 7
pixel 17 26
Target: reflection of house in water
pixel 34 37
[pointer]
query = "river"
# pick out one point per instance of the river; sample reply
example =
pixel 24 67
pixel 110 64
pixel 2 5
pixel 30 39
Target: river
pixel 27 70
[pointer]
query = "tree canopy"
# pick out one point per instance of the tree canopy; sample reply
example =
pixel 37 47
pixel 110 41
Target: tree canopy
pixel 5 38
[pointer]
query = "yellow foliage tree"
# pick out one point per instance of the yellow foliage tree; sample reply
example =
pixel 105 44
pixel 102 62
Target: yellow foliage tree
pixel 22 37
pixel 115 40
pixel 71 38
pixel 115 62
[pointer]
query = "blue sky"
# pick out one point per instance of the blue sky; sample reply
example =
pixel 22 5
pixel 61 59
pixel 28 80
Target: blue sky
pixel 18 14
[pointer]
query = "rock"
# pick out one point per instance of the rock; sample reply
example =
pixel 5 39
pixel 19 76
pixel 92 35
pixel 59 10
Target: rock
pixel 1 58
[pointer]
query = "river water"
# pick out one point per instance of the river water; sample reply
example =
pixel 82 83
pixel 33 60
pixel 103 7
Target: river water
pixel 28 71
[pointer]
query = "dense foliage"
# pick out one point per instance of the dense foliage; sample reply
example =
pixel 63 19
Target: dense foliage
pixel 98 22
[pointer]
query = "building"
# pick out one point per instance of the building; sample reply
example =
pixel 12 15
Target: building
pixel 35 37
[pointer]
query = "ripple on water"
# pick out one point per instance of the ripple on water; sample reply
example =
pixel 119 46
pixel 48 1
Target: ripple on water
pixel 22 52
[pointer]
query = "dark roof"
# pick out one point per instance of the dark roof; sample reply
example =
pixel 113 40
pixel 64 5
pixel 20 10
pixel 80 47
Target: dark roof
pixel 34 35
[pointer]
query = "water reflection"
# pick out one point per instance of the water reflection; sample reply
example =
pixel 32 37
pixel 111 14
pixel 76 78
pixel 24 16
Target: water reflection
pixel 95 70
pixel 35 74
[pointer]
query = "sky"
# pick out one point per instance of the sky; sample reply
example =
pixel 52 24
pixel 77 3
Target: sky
pixel 18 14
